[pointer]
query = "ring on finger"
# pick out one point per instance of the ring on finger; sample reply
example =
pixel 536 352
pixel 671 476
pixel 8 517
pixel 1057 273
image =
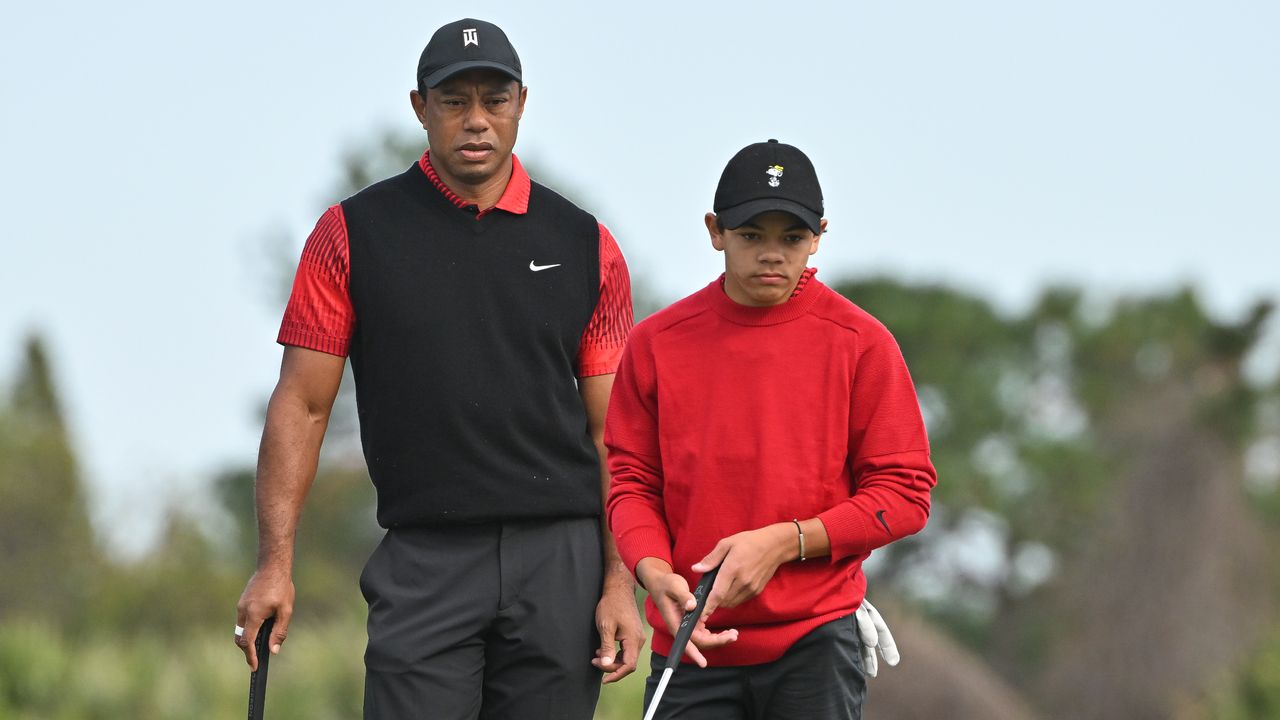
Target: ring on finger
pixel 239 631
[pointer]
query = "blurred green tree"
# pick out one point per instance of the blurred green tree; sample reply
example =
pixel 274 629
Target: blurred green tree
pixel 1092 527
pixel 48 555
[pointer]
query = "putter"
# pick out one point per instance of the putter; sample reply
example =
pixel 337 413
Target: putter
pixel 258 678
pixel 683 633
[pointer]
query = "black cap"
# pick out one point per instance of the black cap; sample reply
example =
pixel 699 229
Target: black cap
pixel 464 45
pixel 768 176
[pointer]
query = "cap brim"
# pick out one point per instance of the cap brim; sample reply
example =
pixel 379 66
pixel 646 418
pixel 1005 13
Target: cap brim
pixel 737 215
pixel 449 71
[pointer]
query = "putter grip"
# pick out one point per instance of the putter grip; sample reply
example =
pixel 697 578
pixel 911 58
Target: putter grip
pixel 258 678
pixel 690 619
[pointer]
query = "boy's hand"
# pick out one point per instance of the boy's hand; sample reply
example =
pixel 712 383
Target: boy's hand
pixel 670 593
pixel 747 562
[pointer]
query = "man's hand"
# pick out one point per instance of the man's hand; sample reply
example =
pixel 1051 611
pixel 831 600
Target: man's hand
pixel 874 633
pixel 670 592
pixel 267 593
pixel 618 623
pixel 747 562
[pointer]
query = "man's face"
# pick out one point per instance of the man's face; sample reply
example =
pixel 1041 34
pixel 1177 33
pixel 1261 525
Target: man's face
pixel 764 257
pixel 471 121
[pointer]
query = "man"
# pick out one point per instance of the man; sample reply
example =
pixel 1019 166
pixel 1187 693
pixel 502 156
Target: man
pixel 484 316
pixel 767 426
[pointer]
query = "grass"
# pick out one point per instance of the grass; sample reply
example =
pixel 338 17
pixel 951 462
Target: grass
pixel 47 675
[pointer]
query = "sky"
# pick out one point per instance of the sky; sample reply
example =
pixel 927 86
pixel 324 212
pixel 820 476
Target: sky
pixel 155 150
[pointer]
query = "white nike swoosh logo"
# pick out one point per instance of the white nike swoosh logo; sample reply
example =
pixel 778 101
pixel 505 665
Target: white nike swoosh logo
pixel 538 268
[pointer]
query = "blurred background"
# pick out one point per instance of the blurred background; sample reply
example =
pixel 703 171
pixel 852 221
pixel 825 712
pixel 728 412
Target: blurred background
pixel 1066 212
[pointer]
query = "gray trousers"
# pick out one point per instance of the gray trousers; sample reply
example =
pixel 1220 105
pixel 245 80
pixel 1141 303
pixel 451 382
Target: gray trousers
pixel 819 678
pixel 493 621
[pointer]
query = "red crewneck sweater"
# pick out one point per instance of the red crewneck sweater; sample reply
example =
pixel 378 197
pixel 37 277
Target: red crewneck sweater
pixel 727 418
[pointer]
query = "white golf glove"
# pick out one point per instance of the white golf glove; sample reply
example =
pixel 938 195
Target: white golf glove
pixel 874 633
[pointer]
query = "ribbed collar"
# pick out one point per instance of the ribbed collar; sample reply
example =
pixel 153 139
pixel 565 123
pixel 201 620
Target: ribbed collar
pixel 808 290
pixel 515 198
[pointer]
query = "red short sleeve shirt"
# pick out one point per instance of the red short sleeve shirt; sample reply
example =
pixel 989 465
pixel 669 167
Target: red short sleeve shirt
pixel 320 316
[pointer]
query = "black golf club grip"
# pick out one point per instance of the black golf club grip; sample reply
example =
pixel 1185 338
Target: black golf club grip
pixel 690 619
pixel 258 678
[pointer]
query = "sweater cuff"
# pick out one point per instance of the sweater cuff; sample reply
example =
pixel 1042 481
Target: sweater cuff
pixel 642 542
pixel 847 532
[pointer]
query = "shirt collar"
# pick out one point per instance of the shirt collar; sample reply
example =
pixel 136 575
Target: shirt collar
pixel 807 293
pixel 515 198
pixel 805 277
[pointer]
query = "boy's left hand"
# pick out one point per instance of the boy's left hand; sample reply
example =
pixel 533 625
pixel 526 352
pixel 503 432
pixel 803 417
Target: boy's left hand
pixel 747 562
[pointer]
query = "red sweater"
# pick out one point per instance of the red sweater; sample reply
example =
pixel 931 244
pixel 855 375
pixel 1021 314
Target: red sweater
pixel 727 418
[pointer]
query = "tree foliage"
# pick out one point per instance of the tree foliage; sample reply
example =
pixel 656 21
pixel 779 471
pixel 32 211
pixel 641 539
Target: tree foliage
pixel 1095 457
pixel 48 556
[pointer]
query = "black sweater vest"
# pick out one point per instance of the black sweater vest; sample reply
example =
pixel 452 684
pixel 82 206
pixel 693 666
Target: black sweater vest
pixel 465 357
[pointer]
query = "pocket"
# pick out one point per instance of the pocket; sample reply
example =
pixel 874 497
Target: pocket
pixel 368 573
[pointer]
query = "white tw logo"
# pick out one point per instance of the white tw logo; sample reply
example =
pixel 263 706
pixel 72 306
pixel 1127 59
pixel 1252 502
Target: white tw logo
pixel 469 37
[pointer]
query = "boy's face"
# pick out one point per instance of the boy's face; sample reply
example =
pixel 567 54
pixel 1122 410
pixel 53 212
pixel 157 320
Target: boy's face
pixel 764 257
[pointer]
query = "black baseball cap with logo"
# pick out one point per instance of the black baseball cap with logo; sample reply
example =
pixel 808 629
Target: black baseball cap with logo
pixel 465 45
pixel 768 176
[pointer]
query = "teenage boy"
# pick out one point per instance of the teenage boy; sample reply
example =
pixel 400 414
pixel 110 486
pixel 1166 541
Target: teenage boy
pixel 768 426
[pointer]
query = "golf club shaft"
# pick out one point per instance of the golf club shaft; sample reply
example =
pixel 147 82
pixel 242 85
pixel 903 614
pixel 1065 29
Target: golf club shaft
pixel 657 695
pixel 258 678
pixel 683 633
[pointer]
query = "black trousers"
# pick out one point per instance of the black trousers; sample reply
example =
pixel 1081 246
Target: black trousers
pixel 818 678
pixel 490 621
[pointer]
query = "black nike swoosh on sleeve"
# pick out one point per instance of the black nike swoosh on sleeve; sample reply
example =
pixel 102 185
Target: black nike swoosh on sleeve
pixel 880 517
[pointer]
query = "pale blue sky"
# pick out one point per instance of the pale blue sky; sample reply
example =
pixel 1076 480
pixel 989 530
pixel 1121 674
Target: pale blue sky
pixel 152 146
